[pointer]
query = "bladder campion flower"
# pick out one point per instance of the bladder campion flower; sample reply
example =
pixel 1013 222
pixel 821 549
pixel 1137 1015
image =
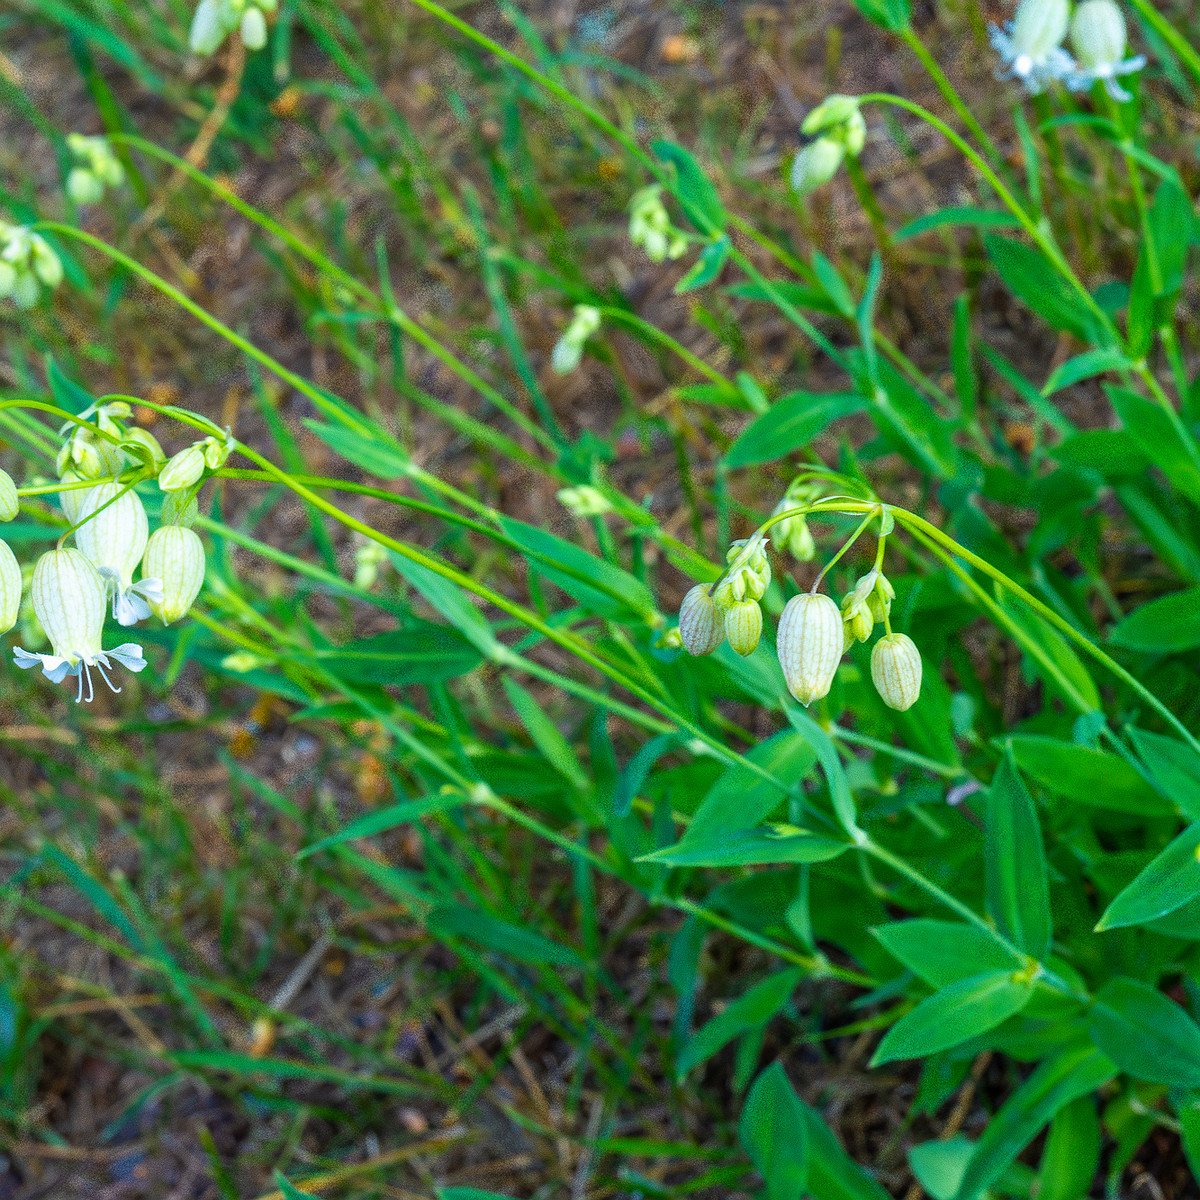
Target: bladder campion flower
pixel 810 645
pixel 568 351
pixel 175 561
pixel 896 671
pixel 10 502
pixel 743 626
pixel 27 263
pixel 1098 35
pixel 113 536
pixel 1031 44
pixel 650 226
pixel 216 19
pixel 10 588
pixel 69 600
pixel 98 167
pixel 701 622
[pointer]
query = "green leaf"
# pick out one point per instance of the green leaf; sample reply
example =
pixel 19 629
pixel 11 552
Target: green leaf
pixel 832 1173
pixel 1158 438
pixel 378 454
pixel 600 586
pixel 957 1012
pixel 1087 776
pixel 451 602
pixel 67 393
pixel 1163 626
pixel 1072 1072
pixel 979 218
pixel 1171 216
pixel 554 748
pixel 749 847
pixel 467 1193
pixel 1085 366
pixel 1167 883
pixel 774 1133
pixel 1072 1152
pixel 500 936
pixel 707 266
pixel 291 1191
pixel 831 764
pixel 944 952
pixel 790 424
pixel 1032 279
pixel 386 818
pixel 1145 1034
pixel 834 285
pixel 424 653
pixel 750 1010
pixel 966 377
pixel 1018 897
pixel 1111 453
pixel 939 1166
pixel 892 15
pixel 741 797
pixel 1174 766
pixel 696 193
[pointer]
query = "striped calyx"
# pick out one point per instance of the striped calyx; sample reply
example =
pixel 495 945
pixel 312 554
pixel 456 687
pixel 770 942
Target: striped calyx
pixel 743 626
pixel 10 588
pixel 68 598
pixel 810 645
pixel 701 623
pixel 896 671
pixel 175 556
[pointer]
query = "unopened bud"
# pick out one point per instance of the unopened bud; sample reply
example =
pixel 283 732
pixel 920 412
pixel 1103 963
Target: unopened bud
pixel 10 588
pixel 254 29
pixel 701 622
pixel 810 645
pixel 816 164
pixel 183 470
pixel 584 501
pixel 83 187
pixel 896 671
pixel 142 445
pixel 743 627
pixel 1098 33
pixel 1039 27
pixel 175 556
pixel 180 508
pixel 10 503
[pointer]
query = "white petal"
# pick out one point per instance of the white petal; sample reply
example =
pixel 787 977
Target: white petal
pixel 129 655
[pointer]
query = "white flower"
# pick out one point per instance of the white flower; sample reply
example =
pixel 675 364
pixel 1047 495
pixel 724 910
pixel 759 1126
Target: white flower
pixel 650 226
pixel 10 502
pixel 569 349
pixel 809 643
pixel 1098 35
pixel 68 598
pixel 10 588
pixel 1031 44
pixel 112 534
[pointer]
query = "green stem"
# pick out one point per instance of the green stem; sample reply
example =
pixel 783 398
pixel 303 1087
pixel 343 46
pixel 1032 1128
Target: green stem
pixel 1182 47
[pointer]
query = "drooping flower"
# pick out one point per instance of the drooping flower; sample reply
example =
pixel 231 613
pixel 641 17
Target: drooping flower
pixel 69 600
pixel 175 562
pixel 1030 45
pixel 1099 37
pixel 10 588
pixel 743 626
pixel 568 351
pixel 810 645
pixel 27 263
pixel 896 671
pixel 10 502
pixel 97 168
pixel 701 622
pixel 650 226
pixel 112 534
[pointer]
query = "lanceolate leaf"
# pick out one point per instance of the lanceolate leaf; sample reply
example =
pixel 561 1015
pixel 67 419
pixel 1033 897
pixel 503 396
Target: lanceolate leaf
pixel 1167 625
pixel 424 653
pixel 790 424
pixel 943 952
pixel 954 1014
pixel 1174 767
pixel 1169 882
pixel 773 1131
pixel 1017 893
pixel 1087 776
pixel 1146 1034
pixel 696 192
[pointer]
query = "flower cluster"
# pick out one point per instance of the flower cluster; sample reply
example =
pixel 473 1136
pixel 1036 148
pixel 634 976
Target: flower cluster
pixel 814 634
pixel 650 226
pixel 100 463
pixel 215 20
pixel 27 263
pixel 1031 49
pixel 97 168
pixel 837 128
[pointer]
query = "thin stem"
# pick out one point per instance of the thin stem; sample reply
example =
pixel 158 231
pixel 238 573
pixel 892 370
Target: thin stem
pixel 846 546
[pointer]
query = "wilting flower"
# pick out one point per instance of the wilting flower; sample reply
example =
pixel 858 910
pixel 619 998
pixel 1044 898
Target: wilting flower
pixel 113 536
pixel 1098 36
pixel 896 671
pixel 69 600
pixel 810 645
pixel 701 622
pixel 1031 44
pixel 175 561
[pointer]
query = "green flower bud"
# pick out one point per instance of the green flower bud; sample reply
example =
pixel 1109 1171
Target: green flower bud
pixel 896 671
pixel 46 264
pixel 142 446
pixel 810 645
pixel 254 29
pixel 10 503
pixel 175 556
pixel 816 164
pixel 183 470
pixel 743 627
pixel 701 623
pixel 584 501
pixel 216 450
pixel 83 187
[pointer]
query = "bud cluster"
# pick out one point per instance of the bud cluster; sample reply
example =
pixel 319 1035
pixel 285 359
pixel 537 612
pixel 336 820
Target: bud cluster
pixel 792 533
pixel 838 129
pixel 1030 46
pixel 216 19
pixel 650 226
pixel 97 168
pixel 728 609
pixel 27 264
